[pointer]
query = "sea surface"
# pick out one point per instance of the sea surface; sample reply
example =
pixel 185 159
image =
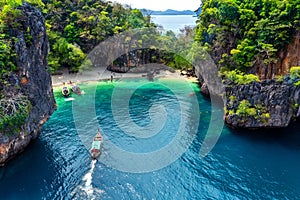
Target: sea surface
pixel 242 165
pixel 174 22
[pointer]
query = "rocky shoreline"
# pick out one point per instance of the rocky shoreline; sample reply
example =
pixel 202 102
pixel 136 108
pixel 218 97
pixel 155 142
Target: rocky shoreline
pixel 32 81
pixel 269 103
pixel 259 105
pixel 265 104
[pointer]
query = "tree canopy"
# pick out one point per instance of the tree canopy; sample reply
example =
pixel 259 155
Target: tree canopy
pixel 76 27
pixel 238 34
pixel 241 34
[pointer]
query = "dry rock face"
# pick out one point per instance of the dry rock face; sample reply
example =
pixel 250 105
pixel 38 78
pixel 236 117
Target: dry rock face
pixel 288 57
pixel 33 81
pixel 275 104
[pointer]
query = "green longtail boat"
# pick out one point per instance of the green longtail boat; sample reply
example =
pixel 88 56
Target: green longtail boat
pixel 96 145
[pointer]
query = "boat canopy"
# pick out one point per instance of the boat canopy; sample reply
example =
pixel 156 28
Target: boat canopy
pixel 96 144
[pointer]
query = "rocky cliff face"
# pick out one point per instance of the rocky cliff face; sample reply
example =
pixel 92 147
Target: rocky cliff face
pixel 287 58
pixel 33 81
pixel 279 100
pixel 290 56
pixel 274 103
pixel 266 104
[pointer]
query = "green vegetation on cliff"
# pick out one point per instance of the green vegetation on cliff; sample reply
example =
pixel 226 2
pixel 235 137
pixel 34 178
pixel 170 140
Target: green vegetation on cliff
pixel 14 105
pixel 13 113
pixel 75 28
pixel 295 72
pixel 10 17
pixel 239 77
pixel 247 34
pixel 7 55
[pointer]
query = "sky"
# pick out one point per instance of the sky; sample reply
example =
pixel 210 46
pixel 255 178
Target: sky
pixel 162 5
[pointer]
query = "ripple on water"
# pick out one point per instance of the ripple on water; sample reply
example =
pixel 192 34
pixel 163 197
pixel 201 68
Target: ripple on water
pixel 241 166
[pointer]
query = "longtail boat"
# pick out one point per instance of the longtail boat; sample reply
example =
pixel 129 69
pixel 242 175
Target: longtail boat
pixel 96 145
pixel 65 91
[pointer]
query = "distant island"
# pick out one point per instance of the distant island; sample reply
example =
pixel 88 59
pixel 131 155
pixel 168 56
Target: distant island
pixel 167 12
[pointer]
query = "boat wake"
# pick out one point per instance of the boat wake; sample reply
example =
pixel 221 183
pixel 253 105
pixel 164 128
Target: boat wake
pixel 69 99
pixel 86 190
pixel 88 179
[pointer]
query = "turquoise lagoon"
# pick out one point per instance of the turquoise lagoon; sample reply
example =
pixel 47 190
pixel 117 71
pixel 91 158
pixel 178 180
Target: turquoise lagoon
pixel 242 165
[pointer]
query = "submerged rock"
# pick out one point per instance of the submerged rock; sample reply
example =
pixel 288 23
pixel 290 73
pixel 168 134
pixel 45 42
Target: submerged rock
pixel 32 81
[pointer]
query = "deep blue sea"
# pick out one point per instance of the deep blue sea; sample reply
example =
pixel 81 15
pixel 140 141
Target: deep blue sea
pixel 174 22
pixel 242 165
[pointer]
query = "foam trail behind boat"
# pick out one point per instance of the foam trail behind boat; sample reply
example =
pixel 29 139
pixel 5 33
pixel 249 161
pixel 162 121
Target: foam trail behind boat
pixel 88 180
pixel 86 191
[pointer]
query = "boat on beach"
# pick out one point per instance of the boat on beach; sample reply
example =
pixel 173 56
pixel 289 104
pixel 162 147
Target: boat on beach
pixel 96 145
pixel 65 91
pixel 75 88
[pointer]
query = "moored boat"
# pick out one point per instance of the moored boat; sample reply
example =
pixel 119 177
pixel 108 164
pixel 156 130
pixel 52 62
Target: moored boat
pixel 96 145
pixel 75 88
pixel 65 91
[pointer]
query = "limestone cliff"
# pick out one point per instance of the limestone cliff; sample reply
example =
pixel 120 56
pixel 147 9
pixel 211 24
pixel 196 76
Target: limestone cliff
pixel 279 99
pixel 270 103
pixel 32 81
pixel 287 58
pixel 290 56
pixel 266 104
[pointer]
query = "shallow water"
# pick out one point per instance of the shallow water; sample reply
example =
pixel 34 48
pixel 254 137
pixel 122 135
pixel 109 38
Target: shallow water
pixel 242 165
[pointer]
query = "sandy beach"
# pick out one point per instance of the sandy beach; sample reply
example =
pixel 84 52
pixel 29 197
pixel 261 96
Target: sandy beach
pixel 102 74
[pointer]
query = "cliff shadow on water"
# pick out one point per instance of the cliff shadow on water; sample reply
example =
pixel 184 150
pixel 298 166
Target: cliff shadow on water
pixel 286 137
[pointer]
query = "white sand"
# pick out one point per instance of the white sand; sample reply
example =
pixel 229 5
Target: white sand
pixel 102 74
